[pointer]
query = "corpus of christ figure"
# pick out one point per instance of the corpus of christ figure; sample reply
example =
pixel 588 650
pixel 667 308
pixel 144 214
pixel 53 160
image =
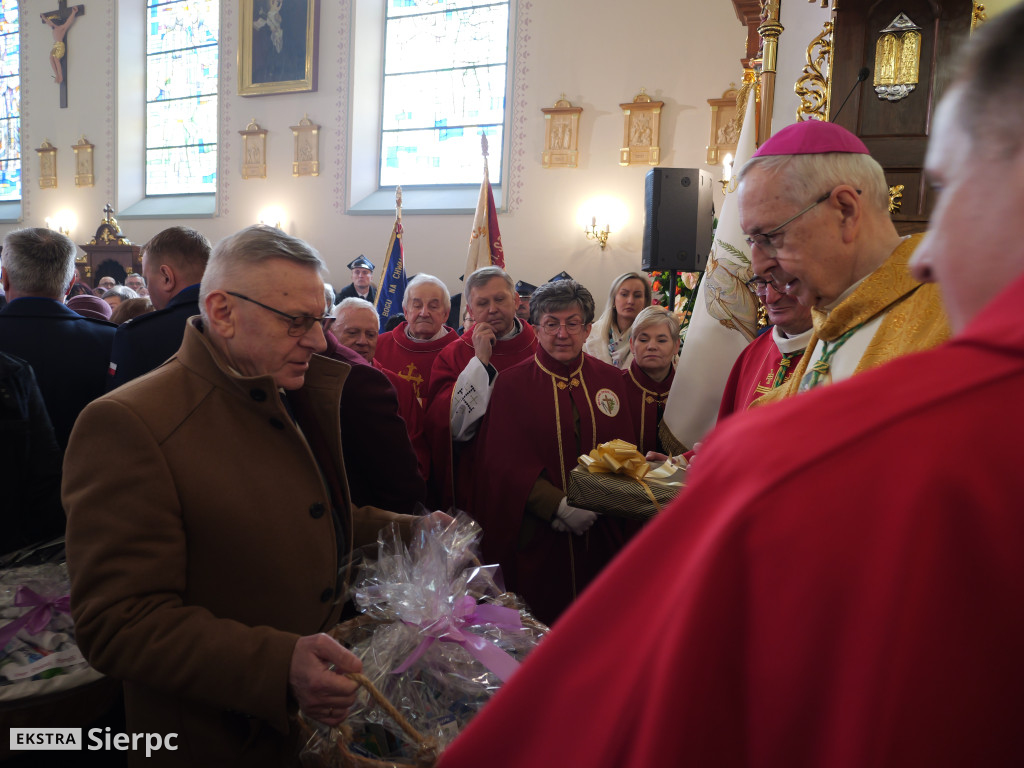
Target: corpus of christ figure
pixel 59 21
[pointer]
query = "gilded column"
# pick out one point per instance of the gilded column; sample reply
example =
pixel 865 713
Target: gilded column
pixel 769 30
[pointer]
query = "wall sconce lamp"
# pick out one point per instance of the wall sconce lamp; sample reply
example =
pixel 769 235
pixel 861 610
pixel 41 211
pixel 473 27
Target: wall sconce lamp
pixel 272 217
pixel 726 172
pixel 593 233
pixel 63 221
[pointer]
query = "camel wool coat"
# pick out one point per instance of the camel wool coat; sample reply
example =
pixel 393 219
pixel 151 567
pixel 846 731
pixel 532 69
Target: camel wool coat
pixel 201 546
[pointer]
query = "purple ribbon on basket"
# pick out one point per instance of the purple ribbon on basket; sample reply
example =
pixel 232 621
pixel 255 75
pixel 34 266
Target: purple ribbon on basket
pixel 38 618
pixel 449 629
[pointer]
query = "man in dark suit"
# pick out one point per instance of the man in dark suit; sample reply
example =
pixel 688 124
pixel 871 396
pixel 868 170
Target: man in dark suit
pixel 361 286
pixel 68 352
pixel 173 262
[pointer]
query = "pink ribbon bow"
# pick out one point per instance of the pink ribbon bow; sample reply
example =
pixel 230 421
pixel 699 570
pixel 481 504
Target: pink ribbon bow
pixel 38 618
pixel 449 629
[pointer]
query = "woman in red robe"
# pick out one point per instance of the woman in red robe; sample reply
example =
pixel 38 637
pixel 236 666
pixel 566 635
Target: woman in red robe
pixel 654 343
pixel 543 414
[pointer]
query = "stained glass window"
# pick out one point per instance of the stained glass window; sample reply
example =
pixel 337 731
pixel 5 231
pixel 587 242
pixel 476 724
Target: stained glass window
pixel 445 66
pixel 181 96
pixel 10 102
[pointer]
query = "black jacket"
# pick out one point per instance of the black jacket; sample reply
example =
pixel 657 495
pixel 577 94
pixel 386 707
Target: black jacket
pixel 144 343
pixel 29 461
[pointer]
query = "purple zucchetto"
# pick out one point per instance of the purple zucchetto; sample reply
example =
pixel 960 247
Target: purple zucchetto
pixel 812 137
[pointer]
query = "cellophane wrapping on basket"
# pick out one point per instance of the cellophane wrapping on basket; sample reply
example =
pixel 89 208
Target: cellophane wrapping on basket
pixel 37 641
pixel 437 637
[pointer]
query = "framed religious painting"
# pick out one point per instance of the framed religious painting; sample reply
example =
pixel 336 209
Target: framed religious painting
pixel 277 46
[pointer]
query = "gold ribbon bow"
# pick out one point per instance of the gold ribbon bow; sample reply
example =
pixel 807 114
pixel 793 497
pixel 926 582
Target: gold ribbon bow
pixel 618 457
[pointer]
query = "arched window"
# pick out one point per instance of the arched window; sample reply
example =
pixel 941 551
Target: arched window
pixel 181 96
pixel 445 67
pixel 10 102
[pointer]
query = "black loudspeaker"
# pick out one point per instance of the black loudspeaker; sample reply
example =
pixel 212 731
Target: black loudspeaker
pixel 679 214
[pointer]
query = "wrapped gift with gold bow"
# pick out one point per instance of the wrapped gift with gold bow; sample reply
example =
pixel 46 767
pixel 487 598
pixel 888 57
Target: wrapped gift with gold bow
pixel 616 480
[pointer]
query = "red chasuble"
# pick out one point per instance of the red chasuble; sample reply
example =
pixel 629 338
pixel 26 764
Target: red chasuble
pixel 755 372
pixel 647 403
pixel 411 411
pixel 453 464
pixel 412 360
pixel 541 417
pixel 857 604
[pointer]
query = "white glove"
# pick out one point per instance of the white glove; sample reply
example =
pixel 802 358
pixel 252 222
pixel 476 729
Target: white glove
pixel 572 519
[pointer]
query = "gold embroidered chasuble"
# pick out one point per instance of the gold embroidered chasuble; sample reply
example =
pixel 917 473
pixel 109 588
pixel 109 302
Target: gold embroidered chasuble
pixel 914 318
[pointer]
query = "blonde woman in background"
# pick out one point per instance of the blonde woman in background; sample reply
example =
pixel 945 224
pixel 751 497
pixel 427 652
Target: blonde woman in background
pixel 609 341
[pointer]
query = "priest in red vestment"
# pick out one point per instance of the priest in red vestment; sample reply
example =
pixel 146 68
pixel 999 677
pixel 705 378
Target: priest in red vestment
pixel 770 359
pixel 653 344
pixel 409 350
pixel 463 377
pixel 543 414
pixel 356 326
pixel 856 600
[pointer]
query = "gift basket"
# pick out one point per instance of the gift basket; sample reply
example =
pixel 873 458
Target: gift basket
pixel 437 637
pixel 616 480
pixel 38 654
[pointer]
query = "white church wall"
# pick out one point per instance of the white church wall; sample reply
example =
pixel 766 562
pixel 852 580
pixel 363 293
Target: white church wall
pixel 598 53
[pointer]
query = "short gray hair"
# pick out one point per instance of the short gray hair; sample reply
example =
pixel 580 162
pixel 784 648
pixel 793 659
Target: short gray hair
pixel 653 315
pixel 484 275
pixel 237 254
pixel 561 294
pixel 123 291
pixel 39 262
pixel 802 178
pixel 421 278
pixel 356 304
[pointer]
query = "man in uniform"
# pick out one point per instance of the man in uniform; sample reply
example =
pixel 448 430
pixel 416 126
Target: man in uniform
pixel 464 374
pixel 525 291
pixel 816 208
pixel 409 350
pixel 361 286
pixel 207 593
pixel 854 600
pixel 173 262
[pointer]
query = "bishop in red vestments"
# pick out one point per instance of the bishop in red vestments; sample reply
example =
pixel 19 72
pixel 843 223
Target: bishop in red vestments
pixel 544 413
pixel 409 350
pixel 857 600
pixel 463 377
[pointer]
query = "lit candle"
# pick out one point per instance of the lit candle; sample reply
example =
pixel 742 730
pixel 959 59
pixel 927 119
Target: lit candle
pixel 727 168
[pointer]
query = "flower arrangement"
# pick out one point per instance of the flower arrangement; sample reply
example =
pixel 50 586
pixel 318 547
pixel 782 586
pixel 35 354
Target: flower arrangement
pixel 686 285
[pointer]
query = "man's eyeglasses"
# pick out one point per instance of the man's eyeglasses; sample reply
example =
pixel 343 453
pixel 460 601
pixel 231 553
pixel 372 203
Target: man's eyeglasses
pixel 764 241
pixel 298 325
pixel 572 327
pixel 759 285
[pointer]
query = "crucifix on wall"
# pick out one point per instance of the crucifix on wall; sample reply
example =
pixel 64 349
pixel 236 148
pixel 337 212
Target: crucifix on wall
pixel 59 21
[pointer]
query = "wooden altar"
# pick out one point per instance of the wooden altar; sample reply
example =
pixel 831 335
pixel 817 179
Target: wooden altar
pixel 108 253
